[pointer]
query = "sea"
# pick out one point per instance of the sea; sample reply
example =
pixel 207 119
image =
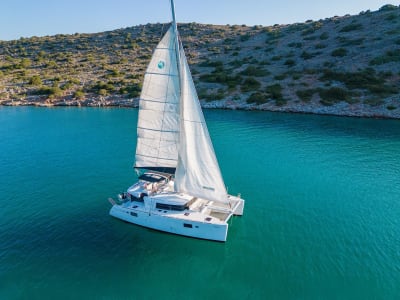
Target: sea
pixel 321 220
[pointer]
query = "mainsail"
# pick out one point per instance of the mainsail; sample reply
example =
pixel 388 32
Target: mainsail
pixel 158 122
pixel 172 132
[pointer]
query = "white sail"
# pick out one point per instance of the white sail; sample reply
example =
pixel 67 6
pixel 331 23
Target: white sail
pixel 197 173
pixel 158 122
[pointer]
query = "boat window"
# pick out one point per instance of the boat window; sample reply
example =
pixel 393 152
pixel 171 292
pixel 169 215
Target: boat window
pixel 133 214
pixel 170 206
pixel 187 225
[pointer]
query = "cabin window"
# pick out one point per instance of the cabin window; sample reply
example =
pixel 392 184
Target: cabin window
pixel 208 219
pixel 187 225
pixel 170 206
pixel 133 214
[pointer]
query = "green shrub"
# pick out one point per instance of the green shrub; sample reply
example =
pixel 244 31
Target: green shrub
pixel 333 95
pixel 389 56
pixel 132 90
pixel 211 96
pixel 67 86
pixel 388 7
pixel 296 76
pixel 35 80
pixel 102 92
pixel 222 78
pixel 209 63
pixel 324 36
pixel 100 87
pixel 383 90
pixel 276 58
pixel 395 31
pixel 25 63
pixel 290 62
pixel 275 91
pixel 351 27
pixel 306 55
pixel 295 45
pixel 280 102
pixel 339 52
pixel 391 17
pixel 365 79
pixel 306 95
pixel 373 101
pixel 51 92
pixel 320 46
pixel 245 37
pixel 250 84
pixel 254 71
pixel 79 94
pixel 350 42
pixel 257 97
pixel 280 76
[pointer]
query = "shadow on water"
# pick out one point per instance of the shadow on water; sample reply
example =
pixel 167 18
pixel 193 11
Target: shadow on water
pixel 312 124
pixel 89 231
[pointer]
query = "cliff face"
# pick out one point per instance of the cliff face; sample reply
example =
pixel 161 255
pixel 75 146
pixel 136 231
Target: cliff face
pixel 342 65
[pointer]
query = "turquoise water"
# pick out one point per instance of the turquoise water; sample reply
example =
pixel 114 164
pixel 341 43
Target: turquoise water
pixel 321 219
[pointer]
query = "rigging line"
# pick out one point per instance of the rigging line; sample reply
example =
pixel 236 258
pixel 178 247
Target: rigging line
pixel 143 155
pixel 162 31
pixel 156 130
pixel 162 74
pixel 192 121
pixel 163 48
pixel 156 101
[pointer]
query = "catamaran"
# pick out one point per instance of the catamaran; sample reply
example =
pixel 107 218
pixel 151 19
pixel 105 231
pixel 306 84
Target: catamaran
pixel 180 188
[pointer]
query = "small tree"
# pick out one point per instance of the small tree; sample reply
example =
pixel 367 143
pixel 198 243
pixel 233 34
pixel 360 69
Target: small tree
pixel 250 84
pixel 35 80
pixel 79 94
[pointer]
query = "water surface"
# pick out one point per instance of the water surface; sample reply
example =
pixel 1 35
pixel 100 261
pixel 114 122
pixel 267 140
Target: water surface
pixel 321 218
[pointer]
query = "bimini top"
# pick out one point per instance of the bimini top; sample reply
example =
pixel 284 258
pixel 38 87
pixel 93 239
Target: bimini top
pixel 152 177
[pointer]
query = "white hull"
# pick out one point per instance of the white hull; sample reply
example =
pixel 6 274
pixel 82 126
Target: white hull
pixel 197 218
pixel 201 230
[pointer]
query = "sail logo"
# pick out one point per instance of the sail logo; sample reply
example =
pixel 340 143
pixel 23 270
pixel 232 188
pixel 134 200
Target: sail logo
pixel 161 64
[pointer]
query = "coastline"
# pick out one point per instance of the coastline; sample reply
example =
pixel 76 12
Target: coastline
pixel 343 109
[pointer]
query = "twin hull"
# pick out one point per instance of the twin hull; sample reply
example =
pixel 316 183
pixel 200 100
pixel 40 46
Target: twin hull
pixel 171 224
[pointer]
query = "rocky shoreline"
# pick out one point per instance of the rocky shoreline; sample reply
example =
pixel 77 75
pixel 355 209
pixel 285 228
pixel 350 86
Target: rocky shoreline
pixel 313 107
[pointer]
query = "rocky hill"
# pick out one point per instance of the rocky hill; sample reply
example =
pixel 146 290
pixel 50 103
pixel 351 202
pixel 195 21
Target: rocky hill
pixel 347 65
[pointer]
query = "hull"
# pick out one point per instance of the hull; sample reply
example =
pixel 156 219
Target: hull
pixel 172 223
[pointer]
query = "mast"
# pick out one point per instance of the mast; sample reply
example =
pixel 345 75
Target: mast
pixel 173 15
pixel 175 27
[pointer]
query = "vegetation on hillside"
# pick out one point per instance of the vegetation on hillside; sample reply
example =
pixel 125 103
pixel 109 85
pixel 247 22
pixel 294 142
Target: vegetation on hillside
pixel 324 62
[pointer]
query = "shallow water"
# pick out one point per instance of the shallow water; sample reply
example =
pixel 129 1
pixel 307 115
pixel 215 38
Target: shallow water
pixel 321 218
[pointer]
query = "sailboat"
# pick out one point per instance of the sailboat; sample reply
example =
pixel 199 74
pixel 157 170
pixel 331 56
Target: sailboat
pixel 180 188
